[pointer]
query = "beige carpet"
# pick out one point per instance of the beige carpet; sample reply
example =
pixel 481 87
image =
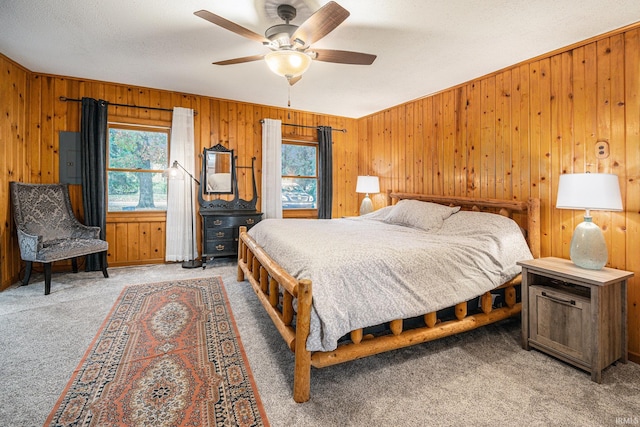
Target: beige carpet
pixel 481 378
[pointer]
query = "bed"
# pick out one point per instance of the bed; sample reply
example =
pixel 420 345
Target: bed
pixel 423 268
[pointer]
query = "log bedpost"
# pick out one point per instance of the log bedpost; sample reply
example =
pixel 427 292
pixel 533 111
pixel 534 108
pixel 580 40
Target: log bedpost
pixel 241 251
pixel 533 226
pixel 302 369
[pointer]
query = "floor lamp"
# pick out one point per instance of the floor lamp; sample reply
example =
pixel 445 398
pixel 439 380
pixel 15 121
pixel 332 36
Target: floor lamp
pixel 174 173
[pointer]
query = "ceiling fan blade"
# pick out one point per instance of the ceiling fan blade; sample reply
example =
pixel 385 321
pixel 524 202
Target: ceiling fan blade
pixel 240 60
pixel 231 26
pixel 294 80
pixel 321 23
pixel 344 57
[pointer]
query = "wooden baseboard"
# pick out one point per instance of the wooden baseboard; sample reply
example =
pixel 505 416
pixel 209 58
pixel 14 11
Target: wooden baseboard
pixel 634 357
pixel 136 262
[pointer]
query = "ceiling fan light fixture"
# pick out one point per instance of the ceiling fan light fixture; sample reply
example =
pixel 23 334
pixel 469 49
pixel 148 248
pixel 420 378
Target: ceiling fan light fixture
pixel 288 63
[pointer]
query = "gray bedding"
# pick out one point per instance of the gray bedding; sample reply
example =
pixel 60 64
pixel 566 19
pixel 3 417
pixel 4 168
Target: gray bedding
pixel 369 270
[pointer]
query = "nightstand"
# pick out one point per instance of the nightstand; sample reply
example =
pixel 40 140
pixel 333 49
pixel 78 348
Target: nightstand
pixel 574 314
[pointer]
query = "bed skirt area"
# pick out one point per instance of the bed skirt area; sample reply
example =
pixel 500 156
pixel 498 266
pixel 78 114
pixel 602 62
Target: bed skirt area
pixel 277 289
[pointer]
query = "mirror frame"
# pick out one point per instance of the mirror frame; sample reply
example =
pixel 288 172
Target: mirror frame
pixel 217 150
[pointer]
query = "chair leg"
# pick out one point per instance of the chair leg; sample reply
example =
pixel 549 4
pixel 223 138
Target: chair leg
pixel 74 264
pixel 27 273
pixel 47 278
pixel 103 261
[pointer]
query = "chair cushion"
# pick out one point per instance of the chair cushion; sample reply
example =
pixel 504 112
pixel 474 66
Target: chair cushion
pixel 56 250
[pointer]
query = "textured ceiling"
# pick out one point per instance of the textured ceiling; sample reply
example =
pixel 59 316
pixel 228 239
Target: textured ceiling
pixel 422 46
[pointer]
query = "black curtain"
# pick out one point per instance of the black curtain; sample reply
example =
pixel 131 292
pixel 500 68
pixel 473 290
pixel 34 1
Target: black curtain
pixel 93 137
pixel 325 172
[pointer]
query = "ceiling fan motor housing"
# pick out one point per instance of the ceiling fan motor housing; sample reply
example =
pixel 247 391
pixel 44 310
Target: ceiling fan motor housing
pixel 286 12
pixel 280 34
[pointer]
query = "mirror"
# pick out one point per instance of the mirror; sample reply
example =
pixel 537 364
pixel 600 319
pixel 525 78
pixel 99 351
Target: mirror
pixel 219 171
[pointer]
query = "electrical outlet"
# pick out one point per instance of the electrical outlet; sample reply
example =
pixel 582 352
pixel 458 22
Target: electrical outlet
pixel 602 149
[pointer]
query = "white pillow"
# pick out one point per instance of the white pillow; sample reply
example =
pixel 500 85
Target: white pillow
pixel 423 215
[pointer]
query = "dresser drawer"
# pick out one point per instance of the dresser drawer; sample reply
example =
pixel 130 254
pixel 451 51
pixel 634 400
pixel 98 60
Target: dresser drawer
pixel 217 234
pixel 219 221
pixel 220 247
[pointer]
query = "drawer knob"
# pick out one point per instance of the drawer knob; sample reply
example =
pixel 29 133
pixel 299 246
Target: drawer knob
pixel 220 234
pixel 220 247
pixel 217 222
pixel 250 221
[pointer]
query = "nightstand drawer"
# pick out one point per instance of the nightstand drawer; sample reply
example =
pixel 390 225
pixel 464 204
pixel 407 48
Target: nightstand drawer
pixel 561 321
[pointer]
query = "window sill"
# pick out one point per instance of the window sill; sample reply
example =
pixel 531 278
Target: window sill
pixel 300 213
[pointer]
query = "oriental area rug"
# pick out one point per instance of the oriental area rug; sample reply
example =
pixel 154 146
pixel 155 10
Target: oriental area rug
pixel 168 354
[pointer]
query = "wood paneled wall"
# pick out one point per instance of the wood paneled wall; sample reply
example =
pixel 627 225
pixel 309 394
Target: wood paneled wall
pixel 511 134
pixel 36 111
pixel 13 163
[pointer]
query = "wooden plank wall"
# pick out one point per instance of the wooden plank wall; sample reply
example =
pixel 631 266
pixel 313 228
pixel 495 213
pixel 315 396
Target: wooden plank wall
pixel 13 164
pixel 511 134
pixel 139 238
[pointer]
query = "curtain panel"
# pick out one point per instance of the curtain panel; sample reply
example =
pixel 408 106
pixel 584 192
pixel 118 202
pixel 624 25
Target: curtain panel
pixel 272 168
pixel 181 244
pixel 93 166
pixel 325 172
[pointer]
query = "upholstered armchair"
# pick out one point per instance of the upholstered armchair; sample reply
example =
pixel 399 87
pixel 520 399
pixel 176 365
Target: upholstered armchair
pixel 48 230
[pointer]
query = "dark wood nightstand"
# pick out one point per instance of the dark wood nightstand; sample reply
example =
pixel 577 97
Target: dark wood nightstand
pixel 575 314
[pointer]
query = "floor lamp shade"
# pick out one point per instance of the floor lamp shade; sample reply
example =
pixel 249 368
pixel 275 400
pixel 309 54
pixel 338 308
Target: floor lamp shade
pixel 367 184
pixel 589 191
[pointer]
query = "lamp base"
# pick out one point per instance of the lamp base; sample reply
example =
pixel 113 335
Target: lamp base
pixel 192 264
pixel 588 248
pixel 366 206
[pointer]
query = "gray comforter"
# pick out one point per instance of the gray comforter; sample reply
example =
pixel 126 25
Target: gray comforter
pixel 366 271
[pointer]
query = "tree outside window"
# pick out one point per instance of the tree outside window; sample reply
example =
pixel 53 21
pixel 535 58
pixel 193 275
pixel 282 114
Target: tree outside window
pixel 137 157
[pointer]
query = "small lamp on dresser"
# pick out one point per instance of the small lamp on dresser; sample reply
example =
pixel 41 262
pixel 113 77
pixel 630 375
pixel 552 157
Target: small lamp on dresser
pixel 589 191
pixel 367 184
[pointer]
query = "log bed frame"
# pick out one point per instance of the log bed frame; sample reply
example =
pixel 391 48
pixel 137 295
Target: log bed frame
pixel 276 289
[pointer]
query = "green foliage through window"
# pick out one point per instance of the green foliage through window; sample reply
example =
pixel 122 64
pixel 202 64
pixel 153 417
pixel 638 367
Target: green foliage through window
pixel 137 158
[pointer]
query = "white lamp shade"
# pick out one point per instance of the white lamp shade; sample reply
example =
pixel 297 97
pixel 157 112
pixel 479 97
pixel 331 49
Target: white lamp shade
pixel 368 184
pixel 288 63
pixel 592 191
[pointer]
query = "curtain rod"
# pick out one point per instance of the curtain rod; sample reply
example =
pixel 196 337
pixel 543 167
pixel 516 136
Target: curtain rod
pixel 309 127
pixel 65 99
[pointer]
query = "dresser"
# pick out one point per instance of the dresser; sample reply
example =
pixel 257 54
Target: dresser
pixel 220 230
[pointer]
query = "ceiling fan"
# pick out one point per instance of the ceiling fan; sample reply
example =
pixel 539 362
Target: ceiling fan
pixel 291 51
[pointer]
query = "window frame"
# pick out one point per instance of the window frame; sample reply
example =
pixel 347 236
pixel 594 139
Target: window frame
pixel 139 125
pixel 309 142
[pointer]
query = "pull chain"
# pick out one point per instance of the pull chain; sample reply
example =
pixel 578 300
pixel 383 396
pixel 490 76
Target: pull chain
pixel 289 96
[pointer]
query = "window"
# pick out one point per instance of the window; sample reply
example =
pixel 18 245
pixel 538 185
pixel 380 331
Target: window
pixel 137 157
pixel 299 175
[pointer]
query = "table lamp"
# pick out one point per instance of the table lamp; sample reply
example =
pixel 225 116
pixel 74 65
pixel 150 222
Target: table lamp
pixel 367 184
pixel 589 191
